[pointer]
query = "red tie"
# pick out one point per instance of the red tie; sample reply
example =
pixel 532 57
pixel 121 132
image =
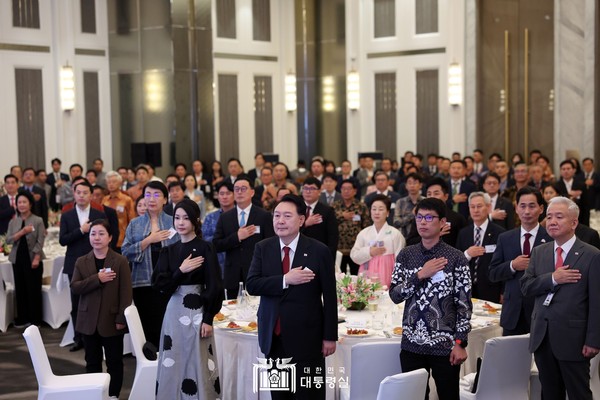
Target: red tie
pixel 12 204
pixel 286 269
pixel 559 259
pixel 527 245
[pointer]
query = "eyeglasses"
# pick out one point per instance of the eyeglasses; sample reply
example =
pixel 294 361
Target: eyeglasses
pixel 240 189
pixel 155 195
pixel 309 189
pixel 427 218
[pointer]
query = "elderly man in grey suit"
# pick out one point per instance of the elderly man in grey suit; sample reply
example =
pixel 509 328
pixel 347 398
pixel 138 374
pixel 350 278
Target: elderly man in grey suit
pixel 564 277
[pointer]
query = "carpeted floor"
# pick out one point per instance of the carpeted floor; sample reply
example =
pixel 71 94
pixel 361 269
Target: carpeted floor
pixel 17 378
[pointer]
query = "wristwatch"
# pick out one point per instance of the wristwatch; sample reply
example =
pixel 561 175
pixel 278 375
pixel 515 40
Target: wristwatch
pixel 462 343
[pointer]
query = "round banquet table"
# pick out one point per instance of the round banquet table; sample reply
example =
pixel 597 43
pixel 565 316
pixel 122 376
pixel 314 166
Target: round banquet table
pixel 237 351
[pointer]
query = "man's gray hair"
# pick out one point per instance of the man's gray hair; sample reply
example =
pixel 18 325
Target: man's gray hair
pixel 572 207
pixel 486 197
pixel 114 174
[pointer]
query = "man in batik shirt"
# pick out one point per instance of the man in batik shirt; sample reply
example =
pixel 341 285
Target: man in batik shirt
pixel 433 279
pixel 352 216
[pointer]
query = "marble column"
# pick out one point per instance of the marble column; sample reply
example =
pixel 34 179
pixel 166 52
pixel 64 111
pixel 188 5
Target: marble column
pixel 574 44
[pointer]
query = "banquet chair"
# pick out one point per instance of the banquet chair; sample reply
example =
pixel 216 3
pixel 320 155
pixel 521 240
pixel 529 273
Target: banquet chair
pixel 144 382
pixel 56 301
pixel 68 387
pixel 504 372
pixel 338 262
pixel 405 385
pixel 379 360
pixel 7 303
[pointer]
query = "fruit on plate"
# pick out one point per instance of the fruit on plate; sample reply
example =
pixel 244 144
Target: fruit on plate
pixel 232 325
pixel 351 331
pixel 220 317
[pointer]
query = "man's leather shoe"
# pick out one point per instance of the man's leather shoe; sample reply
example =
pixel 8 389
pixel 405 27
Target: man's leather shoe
pixel 76 347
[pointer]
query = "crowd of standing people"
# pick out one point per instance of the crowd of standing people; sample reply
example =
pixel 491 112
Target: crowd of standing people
pixel 469 225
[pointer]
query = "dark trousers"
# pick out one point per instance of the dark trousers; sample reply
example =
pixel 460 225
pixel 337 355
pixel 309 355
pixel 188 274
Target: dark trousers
pixel 306 371
pixel 522 327
pixel 74 307
pixel 445 375
pixel 347 261
pixel 113 349
pixel 28 291
pixel 558 376
pixel 151 306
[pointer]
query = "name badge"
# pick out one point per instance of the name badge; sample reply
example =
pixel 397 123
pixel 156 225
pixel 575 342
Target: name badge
pixel 393 206
pixel 548 299
pixel 256 229
pixel 356 218
pixel 438 277
pixel 172 232
pixel 490 248
pixel 120 209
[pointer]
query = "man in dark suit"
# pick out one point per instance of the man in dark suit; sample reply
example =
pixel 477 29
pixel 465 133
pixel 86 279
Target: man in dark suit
pixel 329 195
pixel 592 183
pixel 460 188
pixel 382 184
pixel 40 205
pixel 55 177
pixel 588 235
pixel 478 242
pixel 254 173
pixel 237 232
pixel 74 234
pixel 574 188
pixel 437 188
pixel 298 307
pixel 503 212
pixel 320 222
pixel 511 258
pixel 564 278
pixel 8 202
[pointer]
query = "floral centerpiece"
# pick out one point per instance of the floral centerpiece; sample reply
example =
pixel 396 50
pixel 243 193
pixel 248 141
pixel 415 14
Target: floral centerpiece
pixel 354 292
pixel 4 247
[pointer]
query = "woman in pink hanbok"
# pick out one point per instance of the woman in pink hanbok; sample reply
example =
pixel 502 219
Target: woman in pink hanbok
pixel 377 246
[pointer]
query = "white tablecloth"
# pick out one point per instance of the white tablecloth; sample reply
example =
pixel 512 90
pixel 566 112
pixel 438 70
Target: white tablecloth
pixel 238 351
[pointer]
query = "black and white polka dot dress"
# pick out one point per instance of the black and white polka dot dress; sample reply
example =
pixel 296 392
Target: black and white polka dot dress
pixel 187 363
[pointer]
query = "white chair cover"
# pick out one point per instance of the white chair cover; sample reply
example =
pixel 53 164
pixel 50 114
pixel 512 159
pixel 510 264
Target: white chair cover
pixel 379 360
pixel 406 385
pixel 505 370
pixel 70 387
pixel 144 382
pixel 7 303
pixel 56 303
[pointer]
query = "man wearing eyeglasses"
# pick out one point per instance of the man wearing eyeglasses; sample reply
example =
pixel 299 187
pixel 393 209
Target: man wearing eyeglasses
pixel 478 242
pixel 320 223
pixel 433 279
pixel 237 232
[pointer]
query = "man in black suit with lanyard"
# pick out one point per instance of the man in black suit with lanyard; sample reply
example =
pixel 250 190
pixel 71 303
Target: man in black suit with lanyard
pixel 511 258
pixel 237 232
pixel 297 317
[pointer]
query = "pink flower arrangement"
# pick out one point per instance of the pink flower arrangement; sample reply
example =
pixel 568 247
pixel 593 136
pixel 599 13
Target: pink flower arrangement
pixel 356 291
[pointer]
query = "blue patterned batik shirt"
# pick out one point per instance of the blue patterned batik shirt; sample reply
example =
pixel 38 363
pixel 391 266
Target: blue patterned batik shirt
pixel 435 314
